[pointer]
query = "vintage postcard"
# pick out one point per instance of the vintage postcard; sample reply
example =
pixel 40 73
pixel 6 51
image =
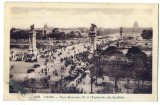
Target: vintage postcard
pixel 80 52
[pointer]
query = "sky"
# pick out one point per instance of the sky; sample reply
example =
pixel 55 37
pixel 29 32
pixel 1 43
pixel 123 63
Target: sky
pixel 22 17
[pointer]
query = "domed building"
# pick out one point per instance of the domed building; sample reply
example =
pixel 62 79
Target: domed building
pixel 135 25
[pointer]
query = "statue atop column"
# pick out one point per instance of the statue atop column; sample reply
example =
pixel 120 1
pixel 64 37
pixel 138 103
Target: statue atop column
pixel 32 40
pixel 32 27
pixel 92 35
pixel 93 26
pixel 93 30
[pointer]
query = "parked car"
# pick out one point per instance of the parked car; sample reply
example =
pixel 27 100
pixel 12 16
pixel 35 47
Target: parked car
pixel 31 58
pixel 36 65
pixel 30 70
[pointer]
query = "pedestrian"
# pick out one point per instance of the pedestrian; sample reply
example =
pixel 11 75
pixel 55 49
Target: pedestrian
pixel 53 72
pixel 96 85
pixel 46 73
pixel 49 77
pixel 119 89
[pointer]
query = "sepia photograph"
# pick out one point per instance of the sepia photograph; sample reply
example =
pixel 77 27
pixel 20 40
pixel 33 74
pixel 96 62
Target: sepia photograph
pixel 80 48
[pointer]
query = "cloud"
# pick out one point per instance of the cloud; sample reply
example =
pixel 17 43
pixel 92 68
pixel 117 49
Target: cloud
pixel 23 18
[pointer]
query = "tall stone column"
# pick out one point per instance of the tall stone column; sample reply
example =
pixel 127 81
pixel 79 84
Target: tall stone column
pixel 93 43
pixel 92 35
pixel 32 41
pixel 30 50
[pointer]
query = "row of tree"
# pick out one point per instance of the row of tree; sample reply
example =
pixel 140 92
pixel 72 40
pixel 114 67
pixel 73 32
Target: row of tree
pixel 55 34
pixel 134 65
pixel 60 35
pixel 19 34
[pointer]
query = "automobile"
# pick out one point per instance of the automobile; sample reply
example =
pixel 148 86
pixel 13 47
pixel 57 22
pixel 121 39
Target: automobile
pixel 31 58
pixel 30 70
pixel 11 67
pixel 106 79
pixel 47 60
pixel 36 65
pixel 18 58
pixel 87 72
pixel 42 56
pixel 74 74
pixel 80 70
pixel 106 84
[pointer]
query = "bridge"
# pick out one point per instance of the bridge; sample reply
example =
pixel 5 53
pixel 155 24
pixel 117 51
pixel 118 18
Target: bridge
pixel 115 42
pixel 101 46
pixel 111 43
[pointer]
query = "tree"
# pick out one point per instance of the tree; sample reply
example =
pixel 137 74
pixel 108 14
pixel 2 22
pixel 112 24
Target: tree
pixel 112 50
pixel 138 59
pixel 55 30
pixel 116 68
pixel 147 34
pixel 113 67
pixel 77 34
pixel 12 33
pixel 134 52
pixel 19 35
pixel 99 33
pixel 147 73
pixel 72 34
pixel 63 35
pixel 58 34
pixel 39 34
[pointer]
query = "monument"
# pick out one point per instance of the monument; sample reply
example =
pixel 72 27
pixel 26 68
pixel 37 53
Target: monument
pixel 32 51
pixel 92 35
pixel 32 41
pixel 135 25
pixel 45 30
pixel 121 30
